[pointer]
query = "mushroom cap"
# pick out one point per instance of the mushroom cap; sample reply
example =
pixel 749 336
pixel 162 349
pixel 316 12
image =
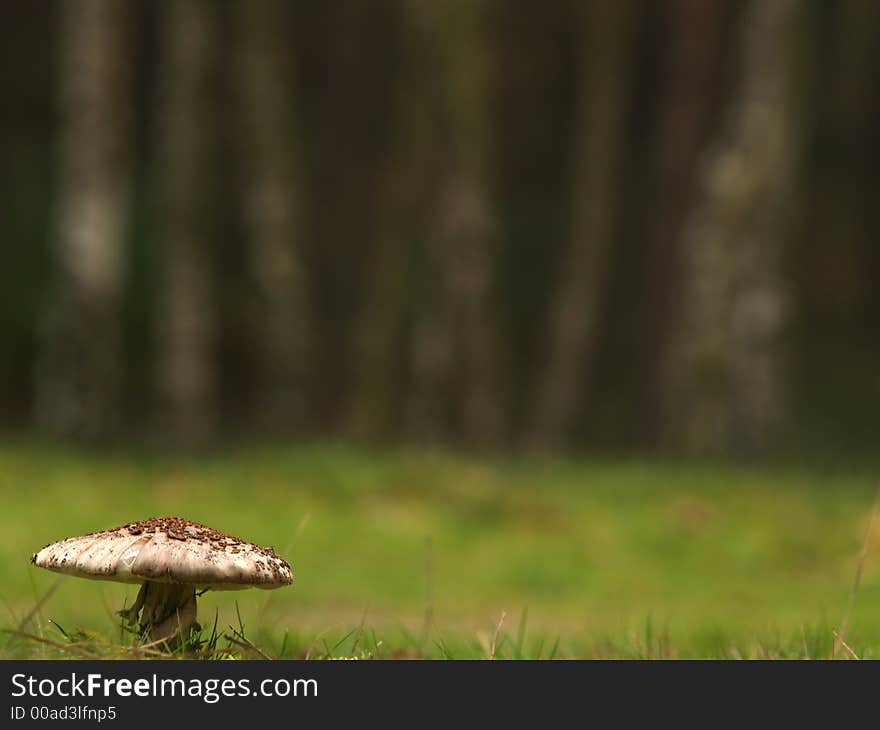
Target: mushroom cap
pixel 167 550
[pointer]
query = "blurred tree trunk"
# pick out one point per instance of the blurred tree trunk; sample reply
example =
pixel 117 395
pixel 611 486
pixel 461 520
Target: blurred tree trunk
pixel 726 372
pixel 79 375
pixel 687 108
pixel 456 337
pixel 272 202
pixel 575 312
pixel 187 348
pixel 380 329
pixel 842 191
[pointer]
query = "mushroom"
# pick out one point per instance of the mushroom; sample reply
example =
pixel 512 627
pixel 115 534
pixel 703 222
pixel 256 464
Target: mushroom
pixel 171 558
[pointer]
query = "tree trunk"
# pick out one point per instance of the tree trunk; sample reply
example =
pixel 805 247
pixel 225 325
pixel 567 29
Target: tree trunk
pixel 79 374
pixel 380 330
pixel 687 108
pixel 187 347
pixel 726 374
pixel 456 337
pixel 272 203
pixel 842 234
pixel 576 310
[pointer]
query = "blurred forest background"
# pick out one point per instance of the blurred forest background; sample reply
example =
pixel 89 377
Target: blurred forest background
pixel 629 226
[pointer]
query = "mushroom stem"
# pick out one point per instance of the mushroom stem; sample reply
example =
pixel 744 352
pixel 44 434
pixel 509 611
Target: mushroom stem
pixel 167 611
pixel 129 615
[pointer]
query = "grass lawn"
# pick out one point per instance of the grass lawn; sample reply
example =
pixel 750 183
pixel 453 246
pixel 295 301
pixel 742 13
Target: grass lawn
pixel 405 554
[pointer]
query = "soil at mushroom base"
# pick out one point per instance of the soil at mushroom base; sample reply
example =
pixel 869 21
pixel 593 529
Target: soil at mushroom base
pixel 171 558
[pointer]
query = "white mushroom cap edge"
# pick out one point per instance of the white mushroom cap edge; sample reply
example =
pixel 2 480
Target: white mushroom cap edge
pixel 167 550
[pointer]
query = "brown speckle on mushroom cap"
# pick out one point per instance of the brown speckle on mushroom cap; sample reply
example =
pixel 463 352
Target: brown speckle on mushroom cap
pixel 167 550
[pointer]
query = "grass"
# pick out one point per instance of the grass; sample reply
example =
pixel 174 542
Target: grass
pixel 423 554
